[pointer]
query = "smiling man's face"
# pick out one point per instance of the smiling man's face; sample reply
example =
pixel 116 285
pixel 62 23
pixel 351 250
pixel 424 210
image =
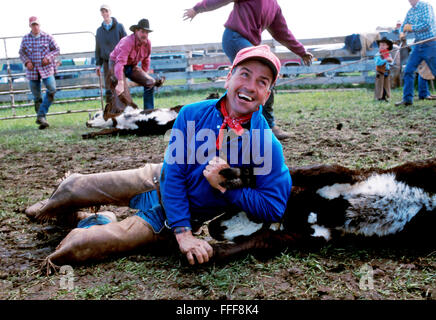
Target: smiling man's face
pixel 248 87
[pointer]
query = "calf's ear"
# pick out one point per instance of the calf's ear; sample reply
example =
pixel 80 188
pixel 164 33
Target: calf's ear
pixel 230 173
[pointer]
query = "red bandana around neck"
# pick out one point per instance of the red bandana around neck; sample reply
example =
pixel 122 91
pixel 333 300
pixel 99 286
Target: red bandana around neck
pixel 234 123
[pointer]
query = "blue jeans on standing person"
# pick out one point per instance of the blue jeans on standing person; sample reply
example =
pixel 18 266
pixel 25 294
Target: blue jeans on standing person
pixel 233 42
pixel 425 51
pixel 423 90
pixel 35 88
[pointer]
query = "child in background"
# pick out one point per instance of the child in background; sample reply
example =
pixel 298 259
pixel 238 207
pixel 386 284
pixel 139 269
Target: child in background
pixel 382 79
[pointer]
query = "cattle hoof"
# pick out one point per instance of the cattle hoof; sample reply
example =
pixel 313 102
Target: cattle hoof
pixel 87 136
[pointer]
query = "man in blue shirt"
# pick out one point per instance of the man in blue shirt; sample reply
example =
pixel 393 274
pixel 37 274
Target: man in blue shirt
pixel 200 146
pixel 190 187
pixel 420 20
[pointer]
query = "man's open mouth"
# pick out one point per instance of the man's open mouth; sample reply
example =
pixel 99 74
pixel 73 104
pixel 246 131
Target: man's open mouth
pixel 245 97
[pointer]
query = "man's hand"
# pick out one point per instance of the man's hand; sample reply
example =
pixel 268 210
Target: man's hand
pixel 407 28
pixel 402 36
pixel 29 65
pixel 189 14
pixel 211 173
pixel 192 246
pixel 45 62
pixel 119 89
pixel 307 58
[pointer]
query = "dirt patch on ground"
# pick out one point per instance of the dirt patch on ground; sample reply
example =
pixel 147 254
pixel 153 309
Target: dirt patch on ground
pixel 30 175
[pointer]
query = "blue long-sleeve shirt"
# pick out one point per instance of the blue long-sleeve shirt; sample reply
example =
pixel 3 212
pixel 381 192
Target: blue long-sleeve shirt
pixel 379 61
pixel 422 19
pixel 185 191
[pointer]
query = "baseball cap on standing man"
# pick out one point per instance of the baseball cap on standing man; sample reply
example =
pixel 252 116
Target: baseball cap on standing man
pixel 105 6
pixel 33 20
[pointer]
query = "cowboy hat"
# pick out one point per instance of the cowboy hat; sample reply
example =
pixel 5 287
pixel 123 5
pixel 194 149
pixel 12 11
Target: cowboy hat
pixel 142 24
pixel 387 41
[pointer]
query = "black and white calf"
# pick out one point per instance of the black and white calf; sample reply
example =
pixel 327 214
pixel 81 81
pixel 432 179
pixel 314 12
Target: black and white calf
pixel 331 203
pixel 123 119
pixel 134 121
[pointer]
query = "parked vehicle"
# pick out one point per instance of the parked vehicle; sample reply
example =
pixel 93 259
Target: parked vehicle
pixel 15 68
pixel 66 64
pixel 168 62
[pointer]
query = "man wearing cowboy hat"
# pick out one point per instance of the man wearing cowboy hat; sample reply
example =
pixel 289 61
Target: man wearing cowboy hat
pixel 382 61
pixel 124 60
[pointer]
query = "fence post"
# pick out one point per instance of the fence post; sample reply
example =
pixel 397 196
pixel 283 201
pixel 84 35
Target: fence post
pixel 101 89
pixel 11 88
pixel 189 68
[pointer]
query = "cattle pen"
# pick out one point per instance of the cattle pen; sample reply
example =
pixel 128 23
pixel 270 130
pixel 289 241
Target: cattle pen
pixel 187 67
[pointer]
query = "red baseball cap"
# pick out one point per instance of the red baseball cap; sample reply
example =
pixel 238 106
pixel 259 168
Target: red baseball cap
pixel 33 20
pixel 262 52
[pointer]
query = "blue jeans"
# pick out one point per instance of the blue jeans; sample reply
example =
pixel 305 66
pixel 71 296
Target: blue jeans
pixel 423 90
pixel 148 98
pixel 424 51
pixel 139 76
pixel 233 42
pixel 35 88
pixel 149 209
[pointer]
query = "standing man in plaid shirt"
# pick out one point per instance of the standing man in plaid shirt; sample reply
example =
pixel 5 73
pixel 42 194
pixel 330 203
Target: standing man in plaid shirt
pixel 420 20
pixel 38 51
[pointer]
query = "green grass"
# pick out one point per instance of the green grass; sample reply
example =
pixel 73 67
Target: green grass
pixel 373 134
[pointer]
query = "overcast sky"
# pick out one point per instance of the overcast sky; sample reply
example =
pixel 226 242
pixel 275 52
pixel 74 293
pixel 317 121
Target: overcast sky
pixel 306 19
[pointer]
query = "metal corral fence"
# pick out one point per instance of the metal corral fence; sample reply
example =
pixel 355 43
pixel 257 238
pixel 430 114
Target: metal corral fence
pixel 71 79
pixel 189 67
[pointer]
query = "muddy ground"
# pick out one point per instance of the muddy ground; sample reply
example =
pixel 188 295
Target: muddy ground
pixel 29 174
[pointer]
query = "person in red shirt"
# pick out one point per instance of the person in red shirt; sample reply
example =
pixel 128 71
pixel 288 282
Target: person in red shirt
pixel 124 60
pixel 244 28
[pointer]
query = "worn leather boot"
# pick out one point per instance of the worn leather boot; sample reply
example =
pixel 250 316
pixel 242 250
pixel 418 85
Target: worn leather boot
pixel 102 241
pixel 42 121
pixel 88 190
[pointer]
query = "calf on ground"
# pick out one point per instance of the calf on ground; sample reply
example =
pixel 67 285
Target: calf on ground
pixel 331 203
pixel 132 121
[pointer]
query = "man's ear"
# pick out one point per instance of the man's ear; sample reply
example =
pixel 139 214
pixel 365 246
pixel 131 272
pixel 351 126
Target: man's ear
pixel 229 76
pixel 267 96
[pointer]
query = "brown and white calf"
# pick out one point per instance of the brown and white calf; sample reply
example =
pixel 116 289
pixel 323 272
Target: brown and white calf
pixel 331 203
